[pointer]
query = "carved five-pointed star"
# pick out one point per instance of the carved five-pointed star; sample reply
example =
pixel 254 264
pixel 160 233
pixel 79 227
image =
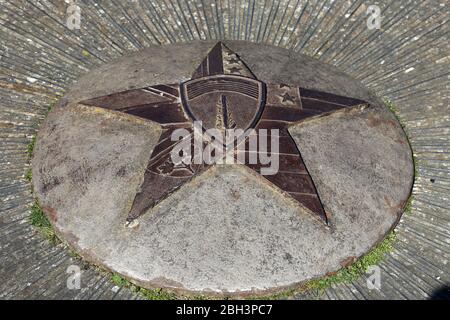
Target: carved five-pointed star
pixel 243 99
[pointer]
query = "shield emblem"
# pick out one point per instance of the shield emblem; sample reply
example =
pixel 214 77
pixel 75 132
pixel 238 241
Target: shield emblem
pixel 224 101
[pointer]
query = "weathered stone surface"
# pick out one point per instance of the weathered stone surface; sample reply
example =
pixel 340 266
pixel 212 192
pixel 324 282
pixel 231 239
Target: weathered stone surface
pixel 175 63
pixel 81 154
pixel 89 164
pixel 361 164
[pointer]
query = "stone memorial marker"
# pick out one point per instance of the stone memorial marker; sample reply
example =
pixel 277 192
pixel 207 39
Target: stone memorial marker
pixel 316 171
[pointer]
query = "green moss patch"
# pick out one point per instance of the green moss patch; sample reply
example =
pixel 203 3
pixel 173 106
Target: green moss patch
pixel 39 220
pixel 356 269
pixel 154 294
pixel 30 147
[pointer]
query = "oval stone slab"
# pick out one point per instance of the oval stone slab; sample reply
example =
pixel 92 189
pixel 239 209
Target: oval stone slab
pixel 103 175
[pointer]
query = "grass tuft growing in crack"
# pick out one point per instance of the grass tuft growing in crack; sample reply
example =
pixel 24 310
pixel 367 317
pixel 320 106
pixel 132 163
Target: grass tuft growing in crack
pixel 316 287
pixel 39 220
pixel 356 269
pixel 28 175
pixel 153 294
pixel 30 147
pixel 37 216
pixel 408 205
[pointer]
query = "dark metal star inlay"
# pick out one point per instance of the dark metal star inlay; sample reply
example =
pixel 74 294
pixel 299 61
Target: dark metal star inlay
pixel 224 98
